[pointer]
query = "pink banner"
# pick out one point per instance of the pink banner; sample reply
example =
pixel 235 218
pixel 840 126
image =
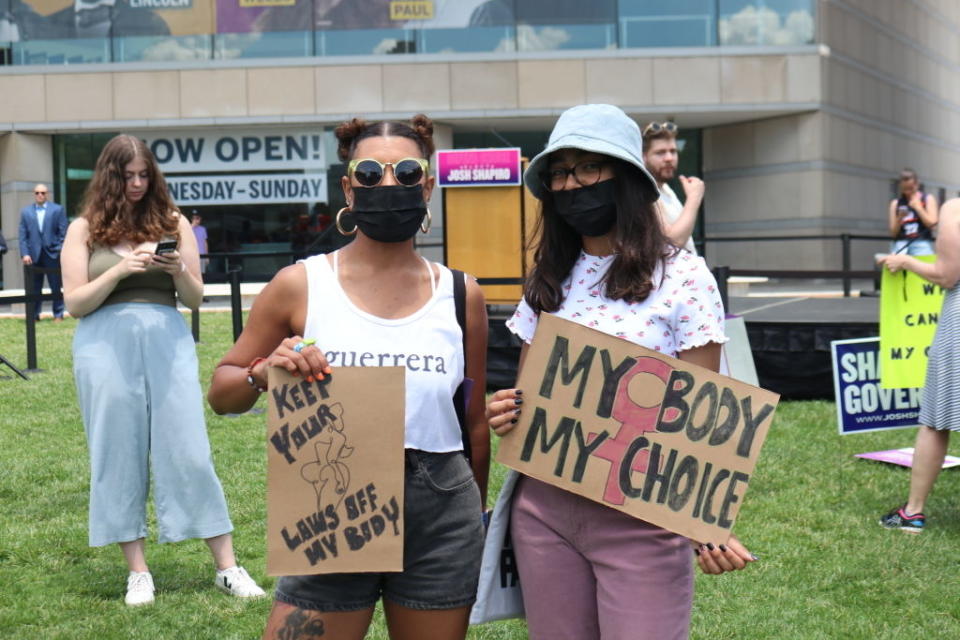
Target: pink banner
pixel 903 457
pixel 478 167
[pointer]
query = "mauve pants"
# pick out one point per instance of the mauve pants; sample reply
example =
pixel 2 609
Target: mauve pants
pixel 589 571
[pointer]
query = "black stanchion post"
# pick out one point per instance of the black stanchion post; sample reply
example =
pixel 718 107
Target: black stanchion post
pixel 845 238
pixel 195 324
pixel 722 274
pixel 31 307
pixel 235 304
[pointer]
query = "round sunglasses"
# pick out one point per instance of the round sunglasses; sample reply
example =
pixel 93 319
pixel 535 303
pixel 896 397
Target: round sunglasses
pixel 370 172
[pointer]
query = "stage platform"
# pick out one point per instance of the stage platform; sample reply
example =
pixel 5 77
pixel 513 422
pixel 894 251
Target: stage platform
pixel 790 338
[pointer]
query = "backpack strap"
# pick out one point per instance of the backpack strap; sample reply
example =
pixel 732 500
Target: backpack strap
pixel 459 397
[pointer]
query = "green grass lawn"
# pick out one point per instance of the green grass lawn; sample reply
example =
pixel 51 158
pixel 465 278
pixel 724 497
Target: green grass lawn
pixel 826 569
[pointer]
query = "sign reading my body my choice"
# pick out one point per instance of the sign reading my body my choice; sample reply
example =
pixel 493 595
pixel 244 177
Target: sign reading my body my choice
pixel 638 431
pixel 478 167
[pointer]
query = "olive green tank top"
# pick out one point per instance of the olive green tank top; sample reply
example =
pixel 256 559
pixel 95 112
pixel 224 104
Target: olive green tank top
pixel 151 286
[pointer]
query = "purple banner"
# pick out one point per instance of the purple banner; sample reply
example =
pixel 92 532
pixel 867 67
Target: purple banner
pixel 478 167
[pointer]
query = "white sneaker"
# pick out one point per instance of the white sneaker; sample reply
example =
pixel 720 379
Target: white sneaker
pixel 139 588
pixel 237 582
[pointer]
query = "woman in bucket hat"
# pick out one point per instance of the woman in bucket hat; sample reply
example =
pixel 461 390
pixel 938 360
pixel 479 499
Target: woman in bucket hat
pixel 603 261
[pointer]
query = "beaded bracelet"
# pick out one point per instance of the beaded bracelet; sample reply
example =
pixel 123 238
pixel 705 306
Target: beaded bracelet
pixel 250 379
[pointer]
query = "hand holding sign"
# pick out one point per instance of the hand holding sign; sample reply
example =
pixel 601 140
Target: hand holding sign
pixel 299 357
pixel 715 559
pixel 893 262
pixel 503 410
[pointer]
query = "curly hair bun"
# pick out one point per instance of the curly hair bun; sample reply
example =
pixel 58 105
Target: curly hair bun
pixel 423 126
pixel 347 134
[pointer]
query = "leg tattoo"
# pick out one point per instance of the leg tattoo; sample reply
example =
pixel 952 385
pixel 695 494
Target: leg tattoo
pixel 300 625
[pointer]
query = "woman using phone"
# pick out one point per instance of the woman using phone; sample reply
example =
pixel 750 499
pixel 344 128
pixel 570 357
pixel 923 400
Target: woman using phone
pixel 912 217
pixel 377 295
pixel 603 261
pixel 126 260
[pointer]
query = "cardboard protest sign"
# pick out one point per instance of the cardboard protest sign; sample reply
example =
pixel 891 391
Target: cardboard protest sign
pixel 649 435
pixel 862 404
pixel 909 312
pixel 335 469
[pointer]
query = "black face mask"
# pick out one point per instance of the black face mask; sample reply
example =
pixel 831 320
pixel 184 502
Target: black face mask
pixel 591 211
pixel 389 214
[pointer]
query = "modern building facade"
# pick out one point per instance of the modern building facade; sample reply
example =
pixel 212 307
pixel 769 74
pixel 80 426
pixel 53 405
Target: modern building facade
pixel 797 113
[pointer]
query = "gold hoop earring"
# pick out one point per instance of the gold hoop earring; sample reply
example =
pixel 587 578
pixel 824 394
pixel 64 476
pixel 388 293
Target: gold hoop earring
pixel 429 221
pixel 340 227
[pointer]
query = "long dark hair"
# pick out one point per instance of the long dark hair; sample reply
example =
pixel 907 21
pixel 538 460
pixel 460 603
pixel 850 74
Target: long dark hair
pixel 639 245
pixel 111 218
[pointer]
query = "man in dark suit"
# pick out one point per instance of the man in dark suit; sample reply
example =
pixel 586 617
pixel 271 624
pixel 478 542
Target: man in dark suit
pixel 43 226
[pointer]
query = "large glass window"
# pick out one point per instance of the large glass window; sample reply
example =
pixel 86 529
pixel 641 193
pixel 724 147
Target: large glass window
pixel 566 24
pixel 47 32
pixel 161 30
pixel 680 23
pixel 259 30
pixel 86 31
pixel 766 22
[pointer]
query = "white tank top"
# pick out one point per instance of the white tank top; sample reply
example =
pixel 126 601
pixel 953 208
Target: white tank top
pixel 428 343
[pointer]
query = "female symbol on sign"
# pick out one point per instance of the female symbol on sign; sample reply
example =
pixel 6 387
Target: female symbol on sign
pixel 635 420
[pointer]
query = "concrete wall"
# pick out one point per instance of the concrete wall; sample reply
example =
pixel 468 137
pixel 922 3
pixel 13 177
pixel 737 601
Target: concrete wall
pixel 890 91
pixel 892 99
pixel 104 97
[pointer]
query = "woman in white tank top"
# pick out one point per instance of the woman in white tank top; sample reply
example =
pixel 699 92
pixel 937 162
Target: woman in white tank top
pixel 377 303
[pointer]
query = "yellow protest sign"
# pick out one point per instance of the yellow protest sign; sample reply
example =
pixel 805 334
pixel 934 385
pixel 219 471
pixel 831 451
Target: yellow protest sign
pixel 909 312
pixel 335 469
pixel 643 433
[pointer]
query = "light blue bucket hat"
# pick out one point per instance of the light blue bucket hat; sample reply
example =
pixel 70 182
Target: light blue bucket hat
pixel 600 128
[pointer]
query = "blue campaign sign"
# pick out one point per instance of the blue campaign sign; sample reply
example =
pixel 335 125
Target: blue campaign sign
pixel 862 405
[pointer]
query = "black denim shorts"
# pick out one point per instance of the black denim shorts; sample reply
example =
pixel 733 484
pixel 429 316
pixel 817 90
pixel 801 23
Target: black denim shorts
pixel 442 547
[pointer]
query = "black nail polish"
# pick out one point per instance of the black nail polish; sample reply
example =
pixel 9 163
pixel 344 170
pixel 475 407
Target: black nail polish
pixel 518 392
pixel 710 546
pixel 696 551
pixel 516 411
pixel 514 421
pixel 723 548
pixel 518 401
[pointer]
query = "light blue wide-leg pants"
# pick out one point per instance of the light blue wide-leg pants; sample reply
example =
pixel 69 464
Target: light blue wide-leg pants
pixel 136 372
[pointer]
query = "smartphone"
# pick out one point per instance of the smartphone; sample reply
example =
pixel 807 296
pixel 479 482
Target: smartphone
pixel 166 246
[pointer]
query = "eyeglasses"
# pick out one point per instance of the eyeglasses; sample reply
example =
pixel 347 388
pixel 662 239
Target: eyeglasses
pixel 369 172
pixel 657 127
pixel 586 173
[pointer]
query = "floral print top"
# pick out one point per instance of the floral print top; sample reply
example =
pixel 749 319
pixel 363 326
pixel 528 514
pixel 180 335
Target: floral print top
pixel 683 313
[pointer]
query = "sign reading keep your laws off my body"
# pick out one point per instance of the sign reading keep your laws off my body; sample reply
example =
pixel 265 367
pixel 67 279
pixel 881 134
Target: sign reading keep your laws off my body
pixel 649 435
pixel 335 470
